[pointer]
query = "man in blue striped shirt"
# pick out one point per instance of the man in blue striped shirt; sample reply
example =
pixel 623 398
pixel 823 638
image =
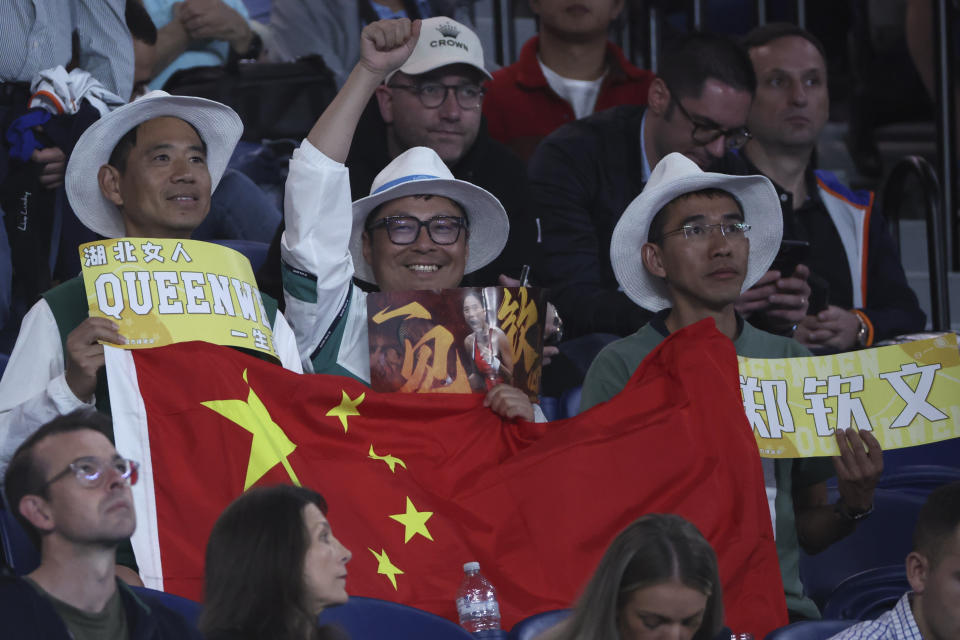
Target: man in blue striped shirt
pixel 931 611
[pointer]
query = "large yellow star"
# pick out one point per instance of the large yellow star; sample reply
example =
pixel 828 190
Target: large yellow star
pixel 391 461
pixel 346 408
pixel 413 522
pixel 270 444
pixel 385 567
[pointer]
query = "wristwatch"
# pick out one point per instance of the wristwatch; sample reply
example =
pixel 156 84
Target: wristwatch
pixel 863 332
pixel 253 51
pixel 842 510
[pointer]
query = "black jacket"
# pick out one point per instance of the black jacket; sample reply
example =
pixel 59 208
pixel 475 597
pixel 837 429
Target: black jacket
pixel 582 177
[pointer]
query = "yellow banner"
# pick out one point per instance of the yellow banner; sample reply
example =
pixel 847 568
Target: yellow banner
pixel 906 394
pixel 166 291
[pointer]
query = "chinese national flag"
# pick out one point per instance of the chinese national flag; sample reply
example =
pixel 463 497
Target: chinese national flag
pixel 418 484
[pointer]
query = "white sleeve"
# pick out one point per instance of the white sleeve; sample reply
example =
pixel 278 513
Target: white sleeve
pixel 33 390
pixel 286 344
pixel 315 247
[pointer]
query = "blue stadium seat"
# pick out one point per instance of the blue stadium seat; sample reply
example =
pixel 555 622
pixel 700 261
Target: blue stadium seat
pixel 18 552
pixel 884 538
pixel 373 618
pixel 945 453
pixel 919 479
pixel 187 608
pixel 866 595
pixel 531 627
pixel 810 630
pixel 255 252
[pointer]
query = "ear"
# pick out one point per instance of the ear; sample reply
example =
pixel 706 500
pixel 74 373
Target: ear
pixel 658 97
pixel 534 7
pixel 37 512
pixel 652 258
pixel 367 248
pixel 108 177
pixel 385 102
pixel 918 568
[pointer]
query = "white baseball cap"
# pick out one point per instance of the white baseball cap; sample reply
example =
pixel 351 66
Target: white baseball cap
pixel 443 42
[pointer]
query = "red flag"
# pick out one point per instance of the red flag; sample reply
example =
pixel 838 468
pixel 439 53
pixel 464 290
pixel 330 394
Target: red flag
pixel 418 484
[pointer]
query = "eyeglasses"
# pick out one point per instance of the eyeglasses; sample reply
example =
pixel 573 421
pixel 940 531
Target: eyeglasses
pixel 703 134
pixel 700 232
pixel 434 94
pixel 405 229
pixel 91 472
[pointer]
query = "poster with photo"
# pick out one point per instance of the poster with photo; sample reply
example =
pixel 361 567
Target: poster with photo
pixel 456 340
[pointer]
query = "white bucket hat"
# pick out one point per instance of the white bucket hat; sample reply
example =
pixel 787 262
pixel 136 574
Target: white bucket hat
pixel 420 171
pixel 443 42
pixel 218 125
pixel 674 176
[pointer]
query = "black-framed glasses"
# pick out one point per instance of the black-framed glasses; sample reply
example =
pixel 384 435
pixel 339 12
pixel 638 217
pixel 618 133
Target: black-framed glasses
pixel 91 472
pixel 405 229
pixel 700 232
pixel 434 94
pixel 704 134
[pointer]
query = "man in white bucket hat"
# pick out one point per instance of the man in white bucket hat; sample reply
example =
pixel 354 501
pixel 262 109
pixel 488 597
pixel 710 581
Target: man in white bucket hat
pixel 147 169
pixel 420 228
pixel 703 239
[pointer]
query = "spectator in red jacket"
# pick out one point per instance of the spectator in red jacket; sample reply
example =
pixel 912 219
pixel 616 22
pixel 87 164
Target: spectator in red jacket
pixel 567 72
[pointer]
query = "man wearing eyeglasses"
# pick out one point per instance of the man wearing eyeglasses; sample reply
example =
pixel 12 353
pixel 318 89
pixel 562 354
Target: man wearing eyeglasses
pixel 862 291
pixel 584 174
pixel 70 491
pixel 703 239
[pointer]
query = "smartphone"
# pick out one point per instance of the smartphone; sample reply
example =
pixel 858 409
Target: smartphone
pixel 792 253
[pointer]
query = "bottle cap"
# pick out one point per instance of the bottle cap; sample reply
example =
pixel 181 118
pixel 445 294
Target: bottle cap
pixel 471 566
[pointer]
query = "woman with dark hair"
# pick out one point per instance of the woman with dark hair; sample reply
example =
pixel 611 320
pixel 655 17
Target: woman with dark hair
pixel 657 579
pixel 272 566
pixel 487 347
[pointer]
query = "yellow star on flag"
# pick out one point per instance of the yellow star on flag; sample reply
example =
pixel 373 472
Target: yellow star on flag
pixel 385 567
pixel 346 408
pixel 391 461
pixel 270 444
pixel 413 522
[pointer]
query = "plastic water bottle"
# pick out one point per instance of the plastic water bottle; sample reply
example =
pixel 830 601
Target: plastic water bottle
pixel 477 601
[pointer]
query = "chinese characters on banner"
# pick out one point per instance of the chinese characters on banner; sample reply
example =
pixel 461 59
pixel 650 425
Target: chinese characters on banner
pixel 165 291
pixel 456 340
pixel 906 394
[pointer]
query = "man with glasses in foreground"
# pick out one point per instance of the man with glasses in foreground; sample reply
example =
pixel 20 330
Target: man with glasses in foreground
pixel 584 174
pixel 702 240
pixel 70 490
pixel 419 229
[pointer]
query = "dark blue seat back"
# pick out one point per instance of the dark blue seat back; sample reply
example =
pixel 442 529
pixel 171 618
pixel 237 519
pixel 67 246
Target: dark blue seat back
pixel 884 538
pixel 810 630
pixel 920 479
pixel 372 618
pixel 868 594
pixel 255 252
pixel 531 627
pixel 946 453
pixel 18 552
pixel 187 608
